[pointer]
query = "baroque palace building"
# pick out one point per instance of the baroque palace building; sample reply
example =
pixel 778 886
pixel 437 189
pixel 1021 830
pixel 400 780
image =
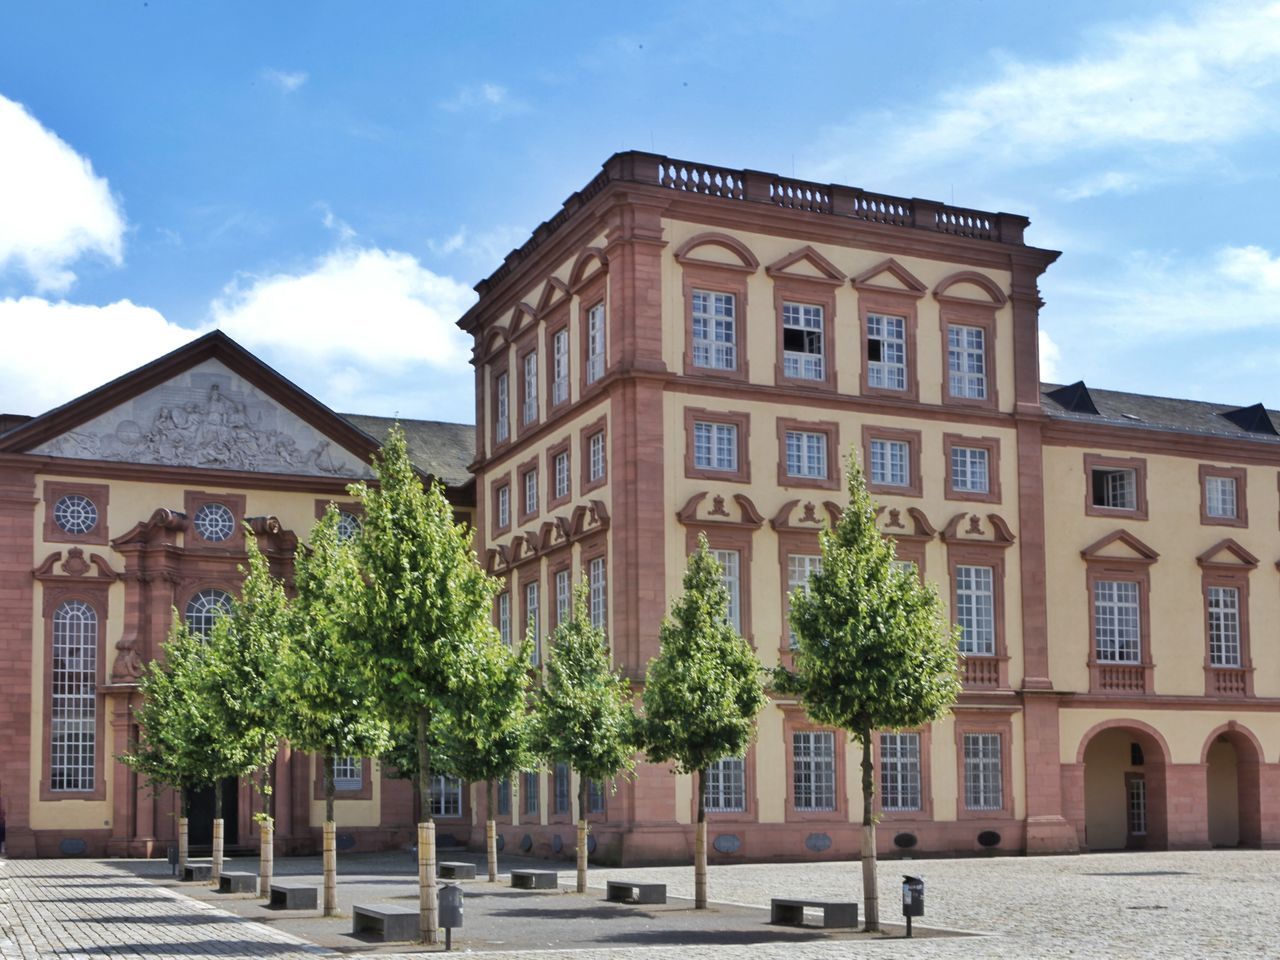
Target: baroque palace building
pixel 685 349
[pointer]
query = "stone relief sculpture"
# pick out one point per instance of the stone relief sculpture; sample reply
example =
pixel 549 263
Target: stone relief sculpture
pixel 217 430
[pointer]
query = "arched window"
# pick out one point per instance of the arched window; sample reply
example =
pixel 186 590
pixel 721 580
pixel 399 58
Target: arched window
pixel 204 608
pixel 73 718
pixel 348 525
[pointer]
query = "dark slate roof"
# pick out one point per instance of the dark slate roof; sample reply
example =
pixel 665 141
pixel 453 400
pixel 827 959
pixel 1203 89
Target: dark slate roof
pixel 439 449
pixel 1157 413
pixel 10 420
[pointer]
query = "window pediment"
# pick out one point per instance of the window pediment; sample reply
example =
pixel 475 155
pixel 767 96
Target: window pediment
pixel 806 264
pixel 1120 545
pixel 969 286
pixel 718 250
pixel 1227 554
pixel 889 276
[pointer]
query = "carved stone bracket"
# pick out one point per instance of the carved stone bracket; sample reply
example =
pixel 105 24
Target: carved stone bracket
pixel 748 516
pixel 74 566
pixel 1000 535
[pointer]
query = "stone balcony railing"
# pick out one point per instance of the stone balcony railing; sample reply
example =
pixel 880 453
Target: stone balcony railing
pixel 754 186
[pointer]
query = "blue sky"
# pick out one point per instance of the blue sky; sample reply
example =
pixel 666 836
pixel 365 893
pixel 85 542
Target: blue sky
pixel 327 181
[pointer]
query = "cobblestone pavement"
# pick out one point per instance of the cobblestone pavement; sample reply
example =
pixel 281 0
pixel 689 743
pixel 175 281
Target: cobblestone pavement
pixel 1165 905
pixel 80 909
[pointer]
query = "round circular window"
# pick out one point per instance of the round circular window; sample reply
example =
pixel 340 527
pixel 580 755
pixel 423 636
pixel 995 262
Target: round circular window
pixel 75 513
pixel 214 522
pixel 348 525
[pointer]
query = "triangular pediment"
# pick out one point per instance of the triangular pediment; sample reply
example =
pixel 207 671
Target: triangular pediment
pixel 806 264
pixel 889 276
pixel 209 405
pixel 1227 553
pixel 1120 545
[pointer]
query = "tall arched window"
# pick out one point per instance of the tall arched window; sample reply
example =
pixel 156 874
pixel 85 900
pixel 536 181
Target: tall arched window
pixel 73 719
pixel 204 608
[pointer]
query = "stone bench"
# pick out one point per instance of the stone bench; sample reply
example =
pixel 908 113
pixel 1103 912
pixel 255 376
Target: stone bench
pixel 292 896
pixel 389 922
pixel 197 871
pixel 535 879
pixel 834 913
pixel 455 870
pixel 238 882
pixel 620 891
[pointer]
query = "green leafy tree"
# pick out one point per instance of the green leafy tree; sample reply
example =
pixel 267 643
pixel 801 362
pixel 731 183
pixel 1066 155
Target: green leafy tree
pixel 873 650
pixel 177 746
pixel 489 740
pixel 583 713
pixel 702 692
pixel 327 707
pixel 424 603
pixel 245 653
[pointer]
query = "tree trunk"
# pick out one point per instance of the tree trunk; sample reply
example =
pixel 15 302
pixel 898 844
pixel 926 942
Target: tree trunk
pixel 490 834
pixel 870 896
pixel 217 832
pixel 330 853
pixel 700 847
pixel 182 830
pixel 428 901
pixel 266 838
pixel 582 833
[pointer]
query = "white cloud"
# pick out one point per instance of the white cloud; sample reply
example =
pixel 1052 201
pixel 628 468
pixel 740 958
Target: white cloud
pixel 1169 86
pixel 94 345
pixel 375 308
pixel 490 97
pixel 1050 358
pixel 55 208
pixel 287 80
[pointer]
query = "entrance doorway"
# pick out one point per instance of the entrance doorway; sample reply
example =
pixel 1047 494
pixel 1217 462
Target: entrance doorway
pixel 1232 789
pixel 1124 802
pixel 200 814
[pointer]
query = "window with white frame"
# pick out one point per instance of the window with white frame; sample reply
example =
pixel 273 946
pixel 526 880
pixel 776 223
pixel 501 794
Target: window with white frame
pixel 975 610
pixel 446 796
pixel 73 718
pixel 214 522
pixel 530 480
pixel 564 595
pixel 347 773
pixel 730 575
pixel 1116 488
pixel 597 596
pixel 562 790
pixel 75 513
pixel 714 330
pixel 886 352
pixel 531 618
pixel 813 768
pixel 1220 497
pixel 560 463
pixel 595 456
pixel 891 462
pixel 504 505
pixel 715 446
pixel 595 343
pixel 983 772
pixel 530 405
pixel 1117 621
pixel 970 470
pixel 1224 626
pixel 204 608
pixel 560 366
pixel 806 454
pixel 802 357
pixel 504 617
pixel 726 786
pixel 906 566
pixel 899 771
pixel 502 413
pixel 967 362
pixel 348 525
pixel 1136 791
pixel 800 567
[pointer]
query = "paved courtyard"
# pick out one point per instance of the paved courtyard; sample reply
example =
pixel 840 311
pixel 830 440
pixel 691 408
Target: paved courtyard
pixel 1165 905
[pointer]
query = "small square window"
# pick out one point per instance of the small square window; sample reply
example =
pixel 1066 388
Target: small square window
pixel 715 446
pixel 1220 497
pixel 1114 488
pixel 891 463
pixel 806 454
pixel 969 470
